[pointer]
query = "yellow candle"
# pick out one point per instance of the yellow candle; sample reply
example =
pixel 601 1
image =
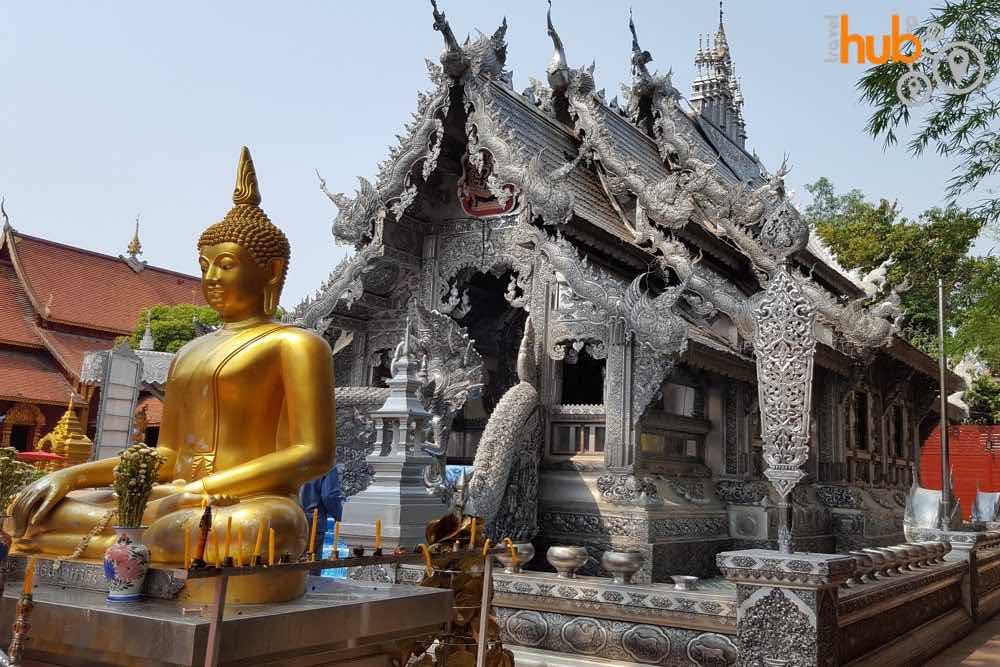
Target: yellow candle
pixel 312 532
pixel 513 551
pixel 29 576
pixel 260 540
pixel 428 565
pixel 215 549
pixel 239 545
pixel 229 532
pixel 187 547
pixel 378 533
pixel 336 539
pixel 270 546
pixel 472 538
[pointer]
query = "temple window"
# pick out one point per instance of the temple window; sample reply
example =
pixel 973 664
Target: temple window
pixel 20 437
pixel 583 379
pixel 381 368
pixel 577 439
pixel 683 400
pixel 860 420
pixel 671 445
pixel 898 432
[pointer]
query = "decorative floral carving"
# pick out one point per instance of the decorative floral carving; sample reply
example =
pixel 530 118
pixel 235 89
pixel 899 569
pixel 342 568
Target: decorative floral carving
pixel 628 490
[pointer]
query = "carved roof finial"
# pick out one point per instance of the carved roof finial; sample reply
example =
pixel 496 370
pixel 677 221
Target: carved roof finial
pixel 721 45
pixel 631 27
pixel 453 58
pixel 640 58
pixel 134 246
pixel 558 69
pixel 3 211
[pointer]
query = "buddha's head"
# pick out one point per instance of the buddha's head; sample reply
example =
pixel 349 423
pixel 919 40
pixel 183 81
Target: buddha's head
pixel 244 258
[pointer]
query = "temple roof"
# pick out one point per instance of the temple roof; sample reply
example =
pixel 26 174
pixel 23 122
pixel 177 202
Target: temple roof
pixel 31 376
pixel 58 303
pixel 60 282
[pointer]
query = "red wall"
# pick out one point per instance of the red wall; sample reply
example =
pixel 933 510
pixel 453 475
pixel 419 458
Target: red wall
pixel 971 459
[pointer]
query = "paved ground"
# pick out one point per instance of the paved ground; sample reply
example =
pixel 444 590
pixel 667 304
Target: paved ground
pixel 979 649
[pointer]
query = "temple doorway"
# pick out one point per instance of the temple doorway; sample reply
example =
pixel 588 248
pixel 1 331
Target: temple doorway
pixel 496 327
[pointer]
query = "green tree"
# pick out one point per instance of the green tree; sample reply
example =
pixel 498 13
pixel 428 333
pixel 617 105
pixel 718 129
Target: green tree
pixel 172 326
pixel 983 399
pixel 863 235
pixel 963 126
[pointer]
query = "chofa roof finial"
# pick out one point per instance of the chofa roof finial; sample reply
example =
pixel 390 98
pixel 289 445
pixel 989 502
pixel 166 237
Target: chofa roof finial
pixel 453 58
pixel 558 69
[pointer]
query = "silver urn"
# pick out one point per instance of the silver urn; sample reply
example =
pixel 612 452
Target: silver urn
pixel 525 552
pixel 622 565
pixel 567 560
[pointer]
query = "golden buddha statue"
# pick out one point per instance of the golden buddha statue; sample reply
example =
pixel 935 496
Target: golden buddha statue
pixel 248 417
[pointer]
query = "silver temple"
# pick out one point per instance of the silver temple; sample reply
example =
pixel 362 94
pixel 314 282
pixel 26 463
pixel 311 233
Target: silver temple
pixel 620 319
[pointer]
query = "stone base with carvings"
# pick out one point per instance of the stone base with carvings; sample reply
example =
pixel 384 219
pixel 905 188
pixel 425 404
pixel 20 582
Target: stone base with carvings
pixel 335 623
pixel 557 621
pixel 787 605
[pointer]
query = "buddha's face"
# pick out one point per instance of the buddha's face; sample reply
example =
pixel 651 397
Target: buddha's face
pixel 233 283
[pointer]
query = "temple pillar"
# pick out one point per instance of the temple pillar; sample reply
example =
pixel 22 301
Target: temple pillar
pixel 787 606
pixel 619 450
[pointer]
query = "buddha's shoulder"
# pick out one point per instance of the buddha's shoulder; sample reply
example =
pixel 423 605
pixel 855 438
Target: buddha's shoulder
pixel 298 337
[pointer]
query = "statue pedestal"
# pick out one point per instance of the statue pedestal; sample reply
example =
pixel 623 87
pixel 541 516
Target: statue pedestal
pixel 398 497
pixel 335 623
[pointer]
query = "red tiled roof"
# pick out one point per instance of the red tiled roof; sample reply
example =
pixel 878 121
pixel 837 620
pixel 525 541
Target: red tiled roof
pixel 86 289
pixel 154 409
pixel 31 376
pixel 68 349
pixel 16 326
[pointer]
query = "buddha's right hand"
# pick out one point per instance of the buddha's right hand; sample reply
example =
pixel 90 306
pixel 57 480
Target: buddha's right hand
pixel 36 500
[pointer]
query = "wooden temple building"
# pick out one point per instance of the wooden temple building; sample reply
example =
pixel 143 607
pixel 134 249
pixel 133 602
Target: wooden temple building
pixel 57 303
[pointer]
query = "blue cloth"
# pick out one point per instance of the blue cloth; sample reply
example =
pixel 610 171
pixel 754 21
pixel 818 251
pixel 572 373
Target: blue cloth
pixel 323 493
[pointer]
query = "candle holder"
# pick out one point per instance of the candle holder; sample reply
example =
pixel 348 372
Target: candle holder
pixel 258 561
pixel 228 561
pixel 285 558
pixel 377 552
pixel 357 552
pixel 21 626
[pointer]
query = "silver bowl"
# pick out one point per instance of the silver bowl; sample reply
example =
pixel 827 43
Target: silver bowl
pixel 525 552
pixel 567 560
pixel 683 582
pixel 622 564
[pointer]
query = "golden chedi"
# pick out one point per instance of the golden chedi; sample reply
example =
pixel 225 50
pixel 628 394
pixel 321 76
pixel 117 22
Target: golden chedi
pixel 66 439
pixel 248 417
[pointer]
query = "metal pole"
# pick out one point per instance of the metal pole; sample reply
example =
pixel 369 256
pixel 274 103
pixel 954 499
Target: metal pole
pixel 484 611
pixel 215 627
pixel 942 369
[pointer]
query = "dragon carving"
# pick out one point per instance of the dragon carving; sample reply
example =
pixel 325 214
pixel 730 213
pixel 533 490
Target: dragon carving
pixel 545 191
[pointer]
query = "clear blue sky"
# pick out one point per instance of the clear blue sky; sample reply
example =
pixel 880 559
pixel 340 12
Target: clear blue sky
pixel 109 109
